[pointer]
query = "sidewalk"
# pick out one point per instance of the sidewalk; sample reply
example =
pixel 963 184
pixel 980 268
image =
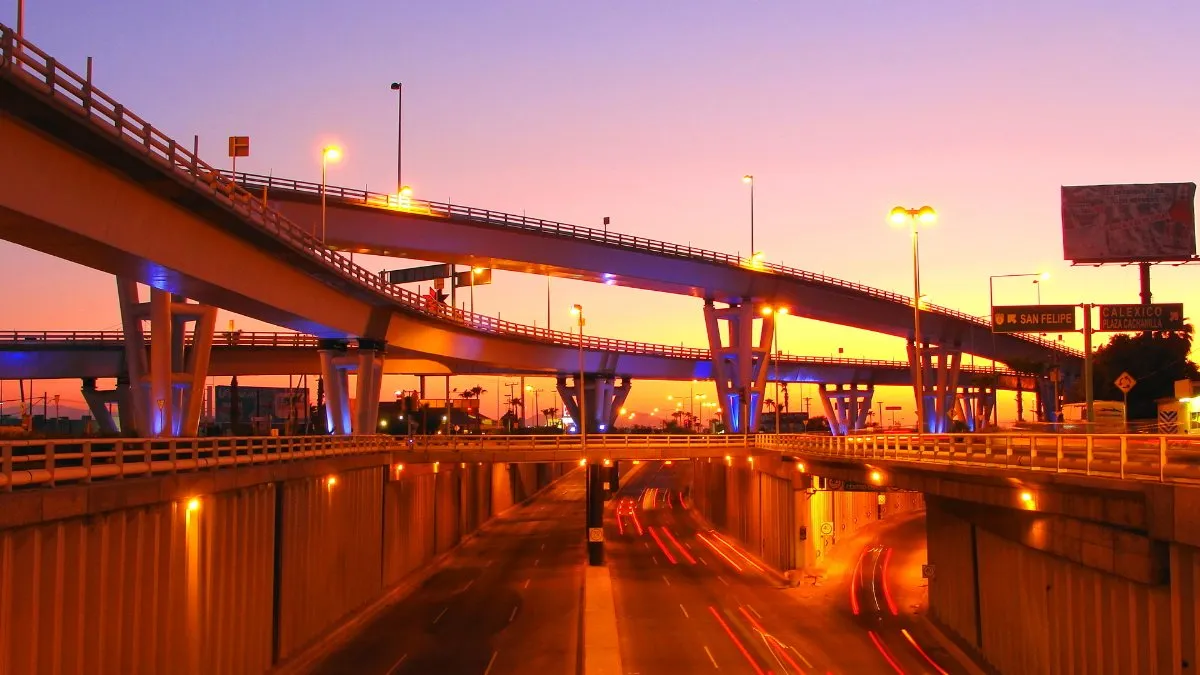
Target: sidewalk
pixel 601 646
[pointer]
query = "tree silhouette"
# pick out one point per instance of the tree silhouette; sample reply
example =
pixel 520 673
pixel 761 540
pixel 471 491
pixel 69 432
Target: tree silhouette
pixel 1156 360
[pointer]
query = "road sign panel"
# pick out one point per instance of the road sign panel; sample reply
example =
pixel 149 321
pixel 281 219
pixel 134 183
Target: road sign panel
pixel 239 146
pixel 1033 318
pixel 894 407
pixel 1166 316
pixel 928 571
pixel 1125 382
pixel 595 534
pixel 414 274
pixel 826 529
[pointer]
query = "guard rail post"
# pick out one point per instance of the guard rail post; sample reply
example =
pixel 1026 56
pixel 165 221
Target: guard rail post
pixel 1124 454
pixel 6 462
pixel 1090 452
pixel 1059 449
pixel 48 458
pixel 119 459
pixel 87 462
pixel 1032 453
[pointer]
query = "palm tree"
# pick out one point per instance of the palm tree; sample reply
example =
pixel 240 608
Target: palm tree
pixel 1025 367
pixel 550 414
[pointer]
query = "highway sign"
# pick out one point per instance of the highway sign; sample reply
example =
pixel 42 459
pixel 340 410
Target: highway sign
pixel 595 534
pixel 471 277
pixel 894 407
pixel 1125 382
pixel 239 146
pixel 1167 316
pixel 414 274
pixel 1033 318
pixel 827 529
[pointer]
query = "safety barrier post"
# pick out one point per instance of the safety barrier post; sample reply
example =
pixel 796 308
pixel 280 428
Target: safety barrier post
pixel 87 461
pixel 1059 449
pixel 1162 458
pixel 48 456
pixel 1125 454
pixel 1090 450
pixel 6 461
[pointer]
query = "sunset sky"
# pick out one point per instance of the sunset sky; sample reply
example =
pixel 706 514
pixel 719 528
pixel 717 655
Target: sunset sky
pixel 650 113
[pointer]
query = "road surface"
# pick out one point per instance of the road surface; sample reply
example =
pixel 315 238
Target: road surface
pixel 508 602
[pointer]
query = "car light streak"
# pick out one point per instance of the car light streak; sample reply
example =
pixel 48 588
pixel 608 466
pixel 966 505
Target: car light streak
pixel 682 550
pixel 920 651
pixel 716 550
pixel 737 642
pixel 661 546
pixel 883 650
pixel 887 593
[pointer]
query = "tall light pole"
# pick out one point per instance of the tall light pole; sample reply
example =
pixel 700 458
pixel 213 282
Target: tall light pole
pixel 328 154
pixel 748 179
pixel 21 18
pixel 474 271
pixel 1041 276
pixel 536 409
pixel 777 312
pixel 914 218
pixel 577 312
pixel 399 89
pixel 692 396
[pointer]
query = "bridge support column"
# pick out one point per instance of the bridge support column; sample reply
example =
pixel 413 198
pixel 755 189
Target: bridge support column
pixel 846 406
pixel 370 380
pixel 939 365
pixel 739 367
pixel 595 512
pixel 975 405
pixel 97 402
pixel 337 386
pixel 167 383
pixel 603 399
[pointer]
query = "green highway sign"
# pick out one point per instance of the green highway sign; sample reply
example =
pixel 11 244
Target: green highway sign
pixel 1167 316
pixel 1033 318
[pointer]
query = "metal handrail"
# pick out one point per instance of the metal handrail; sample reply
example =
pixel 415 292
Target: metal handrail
pixel 299 340
pixel 606 237
pixel 49 463
pixel 1165 458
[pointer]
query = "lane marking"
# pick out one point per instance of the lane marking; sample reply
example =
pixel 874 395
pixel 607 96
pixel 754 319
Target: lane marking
pixel 513 614
pixel 751 608
pixel 710 658
pixel 490 662
pixel 467 586
pixel 741 647
pixel 396 666
pixel 535 562
pixel 666 579
pixel 801 656
pixel 441 614
pixel 526 583
pixel 771 642
pixel 685 614
pixel 722 579
pixel 646 544
pixel 702 560
pixel 654 558
pixel 489 563
pixel 689 546
pixel 543 547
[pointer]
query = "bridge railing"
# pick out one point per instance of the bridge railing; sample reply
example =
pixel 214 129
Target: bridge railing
pixel 1142 457
pixel 48 463
pixel 603 236
pixel 116 337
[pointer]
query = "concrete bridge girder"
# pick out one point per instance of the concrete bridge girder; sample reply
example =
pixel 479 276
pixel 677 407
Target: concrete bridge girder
pixel 846 406
pixel 336 365
pixel 938 365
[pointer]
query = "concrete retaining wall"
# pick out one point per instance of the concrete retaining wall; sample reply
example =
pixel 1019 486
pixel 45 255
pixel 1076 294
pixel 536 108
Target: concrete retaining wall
pixel 244 579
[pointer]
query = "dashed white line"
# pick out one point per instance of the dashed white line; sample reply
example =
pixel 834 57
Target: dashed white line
pixel 490 662
pixel 513 614
pixel 751 608
pixel 666 579
pixel 526 583
pixel 396 666
pixel 689 546
pixel 654 558
pixel 441 614
pixel 685 614
pixel 646 544
pixel 543 547
pixel 710 658
pixel 468 585
pixel 489 563
pixel 801 656
pixel 535 562
pixel 722 579
pixel 702 560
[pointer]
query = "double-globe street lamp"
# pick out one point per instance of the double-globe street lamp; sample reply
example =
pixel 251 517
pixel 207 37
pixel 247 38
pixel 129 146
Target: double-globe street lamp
pixel 914 218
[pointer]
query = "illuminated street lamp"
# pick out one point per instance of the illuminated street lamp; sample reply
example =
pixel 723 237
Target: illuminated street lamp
pixel 475 271
pixel 1041 276
pixel 577 312
pixel 914 218
pixel 328 154
pixel 778 312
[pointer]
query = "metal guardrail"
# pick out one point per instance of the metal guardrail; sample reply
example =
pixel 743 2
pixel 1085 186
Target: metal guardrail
pixel 1140 457
pixel 49 463
pixel 606 237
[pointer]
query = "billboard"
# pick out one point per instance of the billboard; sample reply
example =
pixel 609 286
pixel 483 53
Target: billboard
pixel 1129 223
pixel 275 403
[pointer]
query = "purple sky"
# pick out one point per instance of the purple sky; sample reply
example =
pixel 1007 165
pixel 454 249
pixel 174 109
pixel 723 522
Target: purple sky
pixel 650 114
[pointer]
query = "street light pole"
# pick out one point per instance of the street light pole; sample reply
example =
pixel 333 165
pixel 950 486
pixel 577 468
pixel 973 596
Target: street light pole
pixel 398 87
pixel 328 153
pixel 914 218
pixel 577 310
pixel 1041 276
pixel 21 18
pixel 749 180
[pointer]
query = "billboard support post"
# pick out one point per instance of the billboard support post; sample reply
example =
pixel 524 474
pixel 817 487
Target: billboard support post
pixel 1087 365
pixel 1144 269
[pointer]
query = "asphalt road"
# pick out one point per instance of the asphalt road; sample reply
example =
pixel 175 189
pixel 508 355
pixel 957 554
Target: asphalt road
pixel 508 602
pixel 689 602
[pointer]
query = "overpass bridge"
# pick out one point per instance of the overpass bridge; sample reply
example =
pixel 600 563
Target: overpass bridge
pixel 149 211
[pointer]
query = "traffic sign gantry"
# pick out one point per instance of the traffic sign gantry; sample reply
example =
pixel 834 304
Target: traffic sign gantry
pixel 1033 318
pixel 1167 316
